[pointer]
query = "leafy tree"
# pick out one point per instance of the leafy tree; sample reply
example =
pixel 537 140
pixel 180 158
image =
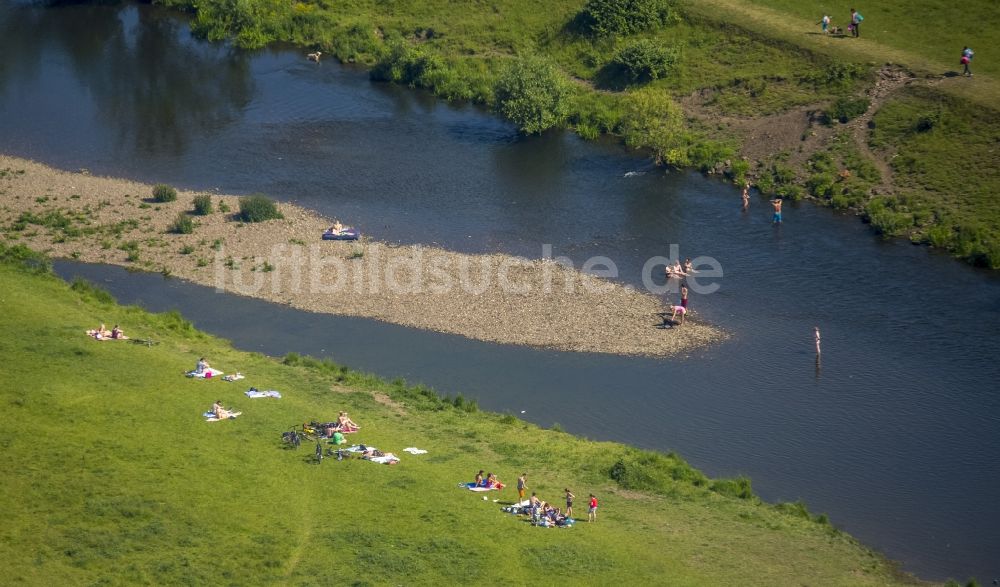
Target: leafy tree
pixel 532 95
pixel 652 120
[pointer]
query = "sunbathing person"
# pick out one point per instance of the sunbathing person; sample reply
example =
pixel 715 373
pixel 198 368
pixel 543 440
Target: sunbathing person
pixel 221 412
pixel 492 482
pixel 101 333
pixel 117 333
pixel 347 424
pixel 479 480
pixel 338 229
pixel 202 366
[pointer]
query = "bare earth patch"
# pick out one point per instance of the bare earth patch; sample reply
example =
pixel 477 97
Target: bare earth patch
pixel 494 297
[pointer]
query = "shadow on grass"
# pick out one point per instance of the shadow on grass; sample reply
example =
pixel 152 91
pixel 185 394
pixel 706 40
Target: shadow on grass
pixel 613 77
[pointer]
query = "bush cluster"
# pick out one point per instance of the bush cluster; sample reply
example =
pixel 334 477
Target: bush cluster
pixel 845 109
pixel 606 18
pixel 164 193
pixel 655 472
pixel 258 208
pixel 26 259
pixel 182 224
pixel 203 205
pixel 838 75
pixel 400 62
pixel 645 60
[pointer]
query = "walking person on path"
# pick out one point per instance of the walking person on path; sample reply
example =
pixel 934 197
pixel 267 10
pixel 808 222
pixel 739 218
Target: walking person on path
pixel 776 218
pixel 856 19
pixel 592 514
pixel 966 59
pixel 816 330
pixel 825 23
pixel 522 484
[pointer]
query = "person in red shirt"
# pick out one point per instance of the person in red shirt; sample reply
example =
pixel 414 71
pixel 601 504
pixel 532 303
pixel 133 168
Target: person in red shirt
pixel 592 516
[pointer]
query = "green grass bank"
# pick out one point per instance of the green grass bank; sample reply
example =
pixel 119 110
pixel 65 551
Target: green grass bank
pixel 115 479
pixel 698 83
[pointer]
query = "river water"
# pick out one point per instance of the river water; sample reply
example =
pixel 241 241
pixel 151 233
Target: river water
pixel 896 435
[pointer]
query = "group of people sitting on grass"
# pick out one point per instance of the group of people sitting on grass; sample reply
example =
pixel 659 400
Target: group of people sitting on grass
pixel 544 514
pixel 334 430
pixel 490 481
pixel 103 333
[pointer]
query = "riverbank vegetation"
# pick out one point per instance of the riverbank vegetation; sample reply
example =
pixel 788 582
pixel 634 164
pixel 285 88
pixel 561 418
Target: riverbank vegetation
pixel 728 74
pixel 119 480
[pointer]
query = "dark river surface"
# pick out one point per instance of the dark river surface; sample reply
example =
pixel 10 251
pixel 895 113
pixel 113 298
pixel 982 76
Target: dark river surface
pixel 896 436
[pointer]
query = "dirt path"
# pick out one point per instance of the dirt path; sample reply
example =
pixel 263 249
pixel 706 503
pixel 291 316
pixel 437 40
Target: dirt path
pixel 889 80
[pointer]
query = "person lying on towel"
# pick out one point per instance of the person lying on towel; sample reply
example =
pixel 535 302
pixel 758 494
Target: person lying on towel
pixel 220 412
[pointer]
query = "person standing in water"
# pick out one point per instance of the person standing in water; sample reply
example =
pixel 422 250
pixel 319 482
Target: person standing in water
pixel 776 219
pixel 816 336
pixel 746 196
pixel 684 295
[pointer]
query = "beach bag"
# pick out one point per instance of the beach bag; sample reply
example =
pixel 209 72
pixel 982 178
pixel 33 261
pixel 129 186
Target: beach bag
pixel 860 18
pixel 964 60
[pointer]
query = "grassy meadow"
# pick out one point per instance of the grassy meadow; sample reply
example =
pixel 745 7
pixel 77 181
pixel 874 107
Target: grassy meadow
pixel 113 478
pixel 928 29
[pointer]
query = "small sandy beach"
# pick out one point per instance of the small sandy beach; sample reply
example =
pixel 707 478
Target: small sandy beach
pixel 493 297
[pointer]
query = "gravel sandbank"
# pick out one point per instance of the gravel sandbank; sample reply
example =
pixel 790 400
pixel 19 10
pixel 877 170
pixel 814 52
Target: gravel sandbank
pixel 493 297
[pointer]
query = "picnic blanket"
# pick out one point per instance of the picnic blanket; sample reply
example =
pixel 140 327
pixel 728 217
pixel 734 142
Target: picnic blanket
pixel 414 450
pixel 386 459
pixel 252 392
pixel 236 377
pixel 210 417
pixel 520 507
pixel 206 374
pixel 370 453
pixel 473 487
